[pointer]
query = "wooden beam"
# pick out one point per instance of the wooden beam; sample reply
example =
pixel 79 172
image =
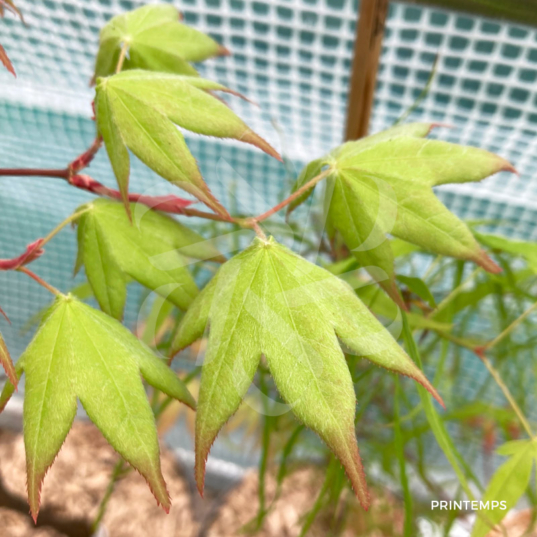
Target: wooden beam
pixel 367 49
pixel 523 11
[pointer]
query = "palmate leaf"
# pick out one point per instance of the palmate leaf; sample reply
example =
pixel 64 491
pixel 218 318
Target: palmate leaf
pixel 269 301
pixel 154 250
pixel 383 184
pixel 157 41
pixel 80 352
pixel 508 484
pixel 139 110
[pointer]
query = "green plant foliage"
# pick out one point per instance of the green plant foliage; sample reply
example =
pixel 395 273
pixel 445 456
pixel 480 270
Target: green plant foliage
pixel 418 287
pixel 269 301
pixel 6 362
pixel 139 110
pixel 524 249
pixel 81 352
pixel 436 423
pixel 383 184
pixel 154 250
pixel 508 483
pixel 156 41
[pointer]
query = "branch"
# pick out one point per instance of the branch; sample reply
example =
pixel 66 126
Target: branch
pixel 75 166
pixel 39 280
pixel 30 172
pixel 479 351
pixel 122 56
pixel 304 188
pixel 505 390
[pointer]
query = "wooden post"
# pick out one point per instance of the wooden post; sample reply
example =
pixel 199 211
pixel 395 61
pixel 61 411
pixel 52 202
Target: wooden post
pixel 367 48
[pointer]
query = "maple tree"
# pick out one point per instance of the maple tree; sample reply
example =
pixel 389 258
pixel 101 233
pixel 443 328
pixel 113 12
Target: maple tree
pixel 265 309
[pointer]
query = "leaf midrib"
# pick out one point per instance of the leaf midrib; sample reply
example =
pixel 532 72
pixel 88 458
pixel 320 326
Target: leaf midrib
pixel 241 310
pixel 42 404
pixel 123 400
pixel 322 396
pixel 405 209
pixel 149 137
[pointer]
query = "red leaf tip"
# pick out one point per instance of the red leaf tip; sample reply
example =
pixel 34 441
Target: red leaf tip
pixel 223 51
pixel 508 167
pixel 483 260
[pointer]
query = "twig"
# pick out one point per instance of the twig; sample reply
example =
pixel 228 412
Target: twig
pixel 479 351
pixel 29 172
pixel 499 381
pixel 61 225
pixel 455 292
pixel 422 95
pixel 39 280
pixel 122 56
pixel 258 231
pixel 510 328
pixel 304 188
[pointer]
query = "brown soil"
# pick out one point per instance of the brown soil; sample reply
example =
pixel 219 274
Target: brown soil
pixel 76 483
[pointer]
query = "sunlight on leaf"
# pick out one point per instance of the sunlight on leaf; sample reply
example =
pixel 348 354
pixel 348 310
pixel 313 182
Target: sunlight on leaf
pixel 139 110
pixel 155 250
pixel 79 352
pixel 157 41
pixel 384 184
pixel 269 301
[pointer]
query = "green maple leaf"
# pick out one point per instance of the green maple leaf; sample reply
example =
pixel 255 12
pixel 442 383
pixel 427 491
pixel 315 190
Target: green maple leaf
pixel 156 40
pixel 154 250
pixel 139 110
pixel 269 301
pixel 384 184
pixel 80 352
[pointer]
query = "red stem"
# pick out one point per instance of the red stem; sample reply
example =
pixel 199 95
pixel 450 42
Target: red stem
pixel 25 172
pixel 39 280
pixel 311 183
pixel 170 204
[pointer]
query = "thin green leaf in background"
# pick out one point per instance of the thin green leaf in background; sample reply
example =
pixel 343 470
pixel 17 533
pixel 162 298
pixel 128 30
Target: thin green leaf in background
pixel 408 530
pixel 508 483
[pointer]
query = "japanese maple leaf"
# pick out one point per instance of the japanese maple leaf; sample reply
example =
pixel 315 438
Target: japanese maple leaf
pixel 268 301
pixel 383 184
pixel 140 110
pixel 155 251
pixel 157 41
pixel 81 353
